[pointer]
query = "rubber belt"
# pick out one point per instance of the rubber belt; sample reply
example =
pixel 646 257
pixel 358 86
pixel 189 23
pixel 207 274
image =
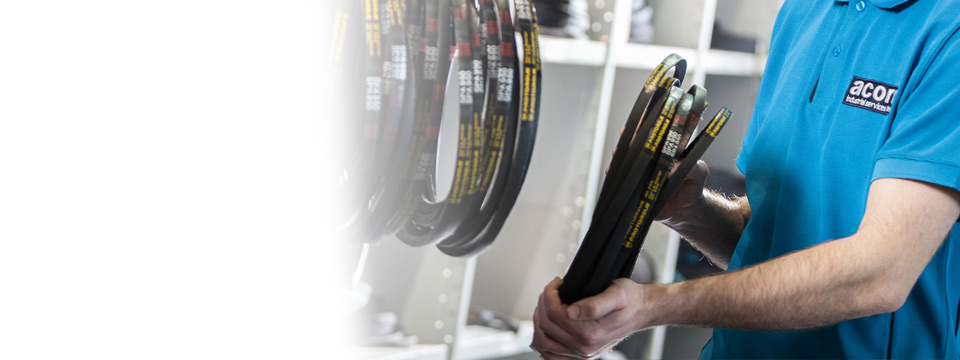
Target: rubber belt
pixel 415 172
pixel 529 118
pixel 400 135
pixel 645 161
pixel 505 116
pixel 364 177
pixel 360 176
pixel 637 186
pixel 612 197
pixel 688 113
pixel 407 69
pixel 346 66
pixel 631 171
pixel 430 217
pixel 476 163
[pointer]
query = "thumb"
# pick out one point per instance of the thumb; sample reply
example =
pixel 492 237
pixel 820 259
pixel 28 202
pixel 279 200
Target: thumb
pixel 699 172
pixel 598 306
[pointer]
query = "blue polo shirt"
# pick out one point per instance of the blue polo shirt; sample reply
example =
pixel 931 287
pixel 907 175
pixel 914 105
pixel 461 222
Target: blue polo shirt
pixel 853 91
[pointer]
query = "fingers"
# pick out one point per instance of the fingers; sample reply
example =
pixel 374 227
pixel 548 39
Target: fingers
pixel 549 339
pixel 697 177
pixel 553 285
pixel 544 343
pixel 550 315
pixel 601 322
pixel 623 318
pixel 687 195
pixel 553 316
pixel 556 336
pixel 596 307
pixel 699 172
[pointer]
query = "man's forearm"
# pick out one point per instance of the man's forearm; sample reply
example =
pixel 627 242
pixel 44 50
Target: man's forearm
pixel 815 287
pixel 713 225
pixel 868 273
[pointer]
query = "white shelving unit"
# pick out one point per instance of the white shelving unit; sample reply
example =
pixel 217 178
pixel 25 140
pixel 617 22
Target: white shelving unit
pixel 432 293
pixel 415 352
pixel 555 50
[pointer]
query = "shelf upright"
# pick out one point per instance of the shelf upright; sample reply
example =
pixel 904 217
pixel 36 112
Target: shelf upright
pixel 704 39
pixel 619 35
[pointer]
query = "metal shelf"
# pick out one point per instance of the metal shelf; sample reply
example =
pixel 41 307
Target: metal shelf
pixel 723 62
pixel 648 56
pixel 556 50
pixel 417 352
pixel 479 342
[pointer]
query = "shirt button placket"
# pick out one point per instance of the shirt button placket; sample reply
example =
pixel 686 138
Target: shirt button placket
pixel 861 5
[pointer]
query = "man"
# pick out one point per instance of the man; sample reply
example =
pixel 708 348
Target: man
pixel 847 243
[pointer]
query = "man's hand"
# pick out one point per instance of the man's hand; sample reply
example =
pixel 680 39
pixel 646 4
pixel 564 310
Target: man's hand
pixel 589 327
pixel 870 272
pixel 688 194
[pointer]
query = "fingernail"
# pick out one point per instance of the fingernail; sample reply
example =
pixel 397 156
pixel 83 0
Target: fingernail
pixel 573 312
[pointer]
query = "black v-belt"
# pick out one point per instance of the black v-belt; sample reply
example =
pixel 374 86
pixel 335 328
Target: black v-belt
pixel 411 47
pixel 470 240
pixel 427 219
pixel 496 131
pixel 389 104
pixel 347 65
pixel 636 187
pixel 359 177
pixel 437 44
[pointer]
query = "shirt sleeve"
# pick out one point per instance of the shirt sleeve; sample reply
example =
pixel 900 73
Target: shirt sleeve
pixel 924 141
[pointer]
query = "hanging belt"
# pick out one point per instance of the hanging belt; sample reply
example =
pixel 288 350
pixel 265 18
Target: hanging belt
pixel 529 104
pixel 393 169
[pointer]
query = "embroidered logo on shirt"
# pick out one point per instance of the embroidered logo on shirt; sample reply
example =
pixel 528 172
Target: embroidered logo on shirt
pixel 870 95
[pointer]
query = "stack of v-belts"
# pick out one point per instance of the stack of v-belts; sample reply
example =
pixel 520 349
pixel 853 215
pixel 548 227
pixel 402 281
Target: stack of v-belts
pixel 636 187
pixel 406 66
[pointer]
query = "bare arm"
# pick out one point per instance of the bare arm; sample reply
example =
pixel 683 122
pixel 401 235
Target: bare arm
pixel 714 225
pixel 710 221
pixel 868 273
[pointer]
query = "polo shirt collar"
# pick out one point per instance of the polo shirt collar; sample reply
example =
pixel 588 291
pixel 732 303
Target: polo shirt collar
pixel 885 4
